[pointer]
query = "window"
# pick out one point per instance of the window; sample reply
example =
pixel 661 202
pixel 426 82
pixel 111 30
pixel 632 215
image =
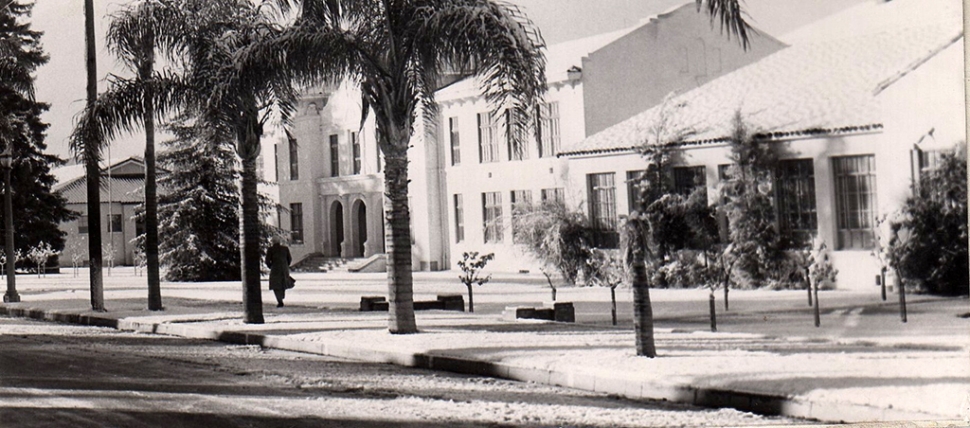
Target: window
pixel 296 223
pixel 518 144
pixel 82 224
pixel 334 156
pixel 689 178
pixel 355 143
pixel 634 190
pixel 548 130
pixel 114 223
pixel 487 138
pixel 602 207
pixel 724 172
pixel 139 226
pixel 459 219
pixel 276 163
pixel 294 160
pixel 557 195
pixel 492 213
pixel 454 141
pixel 795 196
pixel 521 200
pixel 855 197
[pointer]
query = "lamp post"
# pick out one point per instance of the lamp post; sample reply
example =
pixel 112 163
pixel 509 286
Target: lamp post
pixel 6 159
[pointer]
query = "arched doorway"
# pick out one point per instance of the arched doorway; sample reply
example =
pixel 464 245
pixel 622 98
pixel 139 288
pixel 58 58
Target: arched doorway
pixel 337 227
pixel 360 211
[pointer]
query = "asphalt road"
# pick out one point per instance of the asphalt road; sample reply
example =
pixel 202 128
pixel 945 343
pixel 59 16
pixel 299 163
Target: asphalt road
pixel 70 376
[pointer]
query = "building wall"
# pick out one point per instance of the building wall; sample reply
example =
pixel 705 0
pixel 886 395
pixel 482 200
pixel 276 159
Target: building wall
pixel 858 267
pixel 675 52
pixel 471 178
pixel 124 254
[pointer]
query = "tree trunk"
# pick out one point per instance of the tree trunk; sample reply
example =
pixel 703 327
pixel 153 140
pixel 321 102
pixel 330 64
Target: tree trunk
pixel 398 239
pixel 642 312
pixel 252 297
pixel 613 303
pixel 726 290
pixel 808 287
pixel 471 298
pixel 712 307
pixel 902 296
pixel 92 168
pixel 554 293
pixel 151 199
pixel 818 315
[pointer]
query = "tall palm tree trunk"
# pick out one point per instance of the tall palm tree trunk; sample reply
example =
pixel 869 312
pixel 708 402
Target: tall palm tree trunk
pixel 398 240
pixel 151 200
pixel 252 297
pixel 92 168
pixel 642 312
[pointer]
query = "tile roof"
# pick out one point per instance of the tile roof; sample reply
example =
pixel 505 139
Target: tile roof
pixel 125 190
pixel 829 86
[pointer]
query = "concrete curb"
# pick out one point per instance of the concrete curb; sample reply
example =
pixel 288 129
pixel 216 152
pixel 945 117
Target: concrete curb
pixel 760 403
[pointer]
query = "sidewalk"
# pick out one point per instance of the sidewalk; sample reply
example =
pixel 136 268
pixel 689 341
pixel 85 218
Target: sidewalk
pixel 816 379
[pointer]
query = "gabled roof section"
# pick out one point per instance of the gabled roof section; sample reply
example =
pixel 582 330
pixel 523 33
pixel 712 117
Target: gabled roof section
pixel 127 181
pixel 829 86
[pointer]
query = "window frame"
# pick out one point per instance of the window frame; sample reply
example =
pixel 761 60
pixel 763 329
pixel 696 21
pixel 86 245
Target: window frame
pixel 115 223
pixel 602 209
pixel 855 226
pixel 459 217
pixel 334 155
pixel 494 232
pixel 454 140
pixel 294 159
pixel 296 223
pixel 83 227
pixel 356 149
pixel 550 135
pixel 795 200
pixel 488 144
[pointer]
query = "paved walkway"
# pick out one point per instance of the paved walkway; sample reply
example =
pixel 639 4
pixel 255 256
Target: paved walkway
pixel 832 380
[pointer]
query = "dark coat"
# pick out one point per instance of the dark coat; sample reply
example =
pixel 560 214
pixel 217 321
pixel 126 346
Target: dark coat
pixel 278 259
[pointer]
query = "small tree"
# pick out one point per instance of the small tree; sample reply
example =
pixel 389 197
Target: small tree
pixel 40 255
pixel 76 251
pixel 558 239
pixel 606 270
pixel 110 252
pixel 471 265
pixel 819 270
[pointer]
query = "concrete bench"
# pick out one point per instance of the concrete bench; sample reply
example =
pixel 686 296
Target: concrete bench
pixel 560 311
pixel 444 302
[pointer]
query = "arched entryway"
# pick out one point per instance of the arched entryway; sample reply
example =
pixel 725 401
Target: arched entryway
pixel 360 231
pixel 337 228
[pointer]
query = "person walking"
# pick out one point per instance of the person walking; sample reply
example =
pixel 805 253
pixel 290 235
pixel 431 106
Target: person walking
pixel 278 260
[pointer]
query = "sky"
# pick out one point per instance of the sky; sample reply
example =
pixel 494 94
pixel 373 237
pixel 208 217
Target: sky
pixel 61 82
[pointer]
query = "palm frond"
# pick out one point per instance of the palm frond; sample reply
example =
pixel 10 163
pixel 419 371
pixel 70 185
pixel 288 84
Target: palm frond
pixel 731 16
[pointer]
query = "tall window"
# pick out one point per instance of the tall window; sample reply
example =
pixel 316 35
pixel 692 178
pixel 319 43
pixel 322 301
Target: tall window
pixel 355 143
pixel 82 224
pixel 114 222
pixel 795 196
pixel 488 134
pixel 294 160
pixel 521 200
pixel 334 156
pixel 492 213
pixel 602 207
pixel 276 163
pixel 689 178
pixel 518 144
pixel 557 195
pixel 454 141
pixel 459 219
pixel 548 130
pixel 634 190
pixel 855 196
pixel 296 223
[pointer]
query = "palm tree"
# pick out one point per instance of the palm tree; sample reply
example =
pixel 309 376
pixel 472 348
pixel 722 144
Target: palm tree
pixel 731 16
pixel 91 153
pixel 395 51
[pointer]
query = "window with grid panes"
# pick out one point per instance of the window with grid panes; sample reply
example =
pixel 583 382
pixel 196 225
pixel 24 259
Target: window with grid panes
pixel 355 143
pixel 518 145
pixel 82 224
pixel 549 129
pixel 492 213
pixel 855 197
pixel 602 209
pixel 795 199
pixel 521 200
pixel 334 156
pixel 296 223
pixel 459 218
pixel 689 178
pixel 557 195
pixel 634 190
pixel 454 141
pixel 294 159
pixel 488 136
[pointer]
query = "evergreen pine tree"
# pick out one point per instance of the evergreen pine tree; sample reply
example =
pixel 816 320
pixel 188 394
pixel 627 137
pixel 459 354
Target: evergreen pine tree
pixel 39 210
pixel 198 207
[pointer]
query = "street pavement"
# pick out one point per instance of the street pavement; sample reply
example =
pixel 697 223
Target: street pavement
pixel 862 364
